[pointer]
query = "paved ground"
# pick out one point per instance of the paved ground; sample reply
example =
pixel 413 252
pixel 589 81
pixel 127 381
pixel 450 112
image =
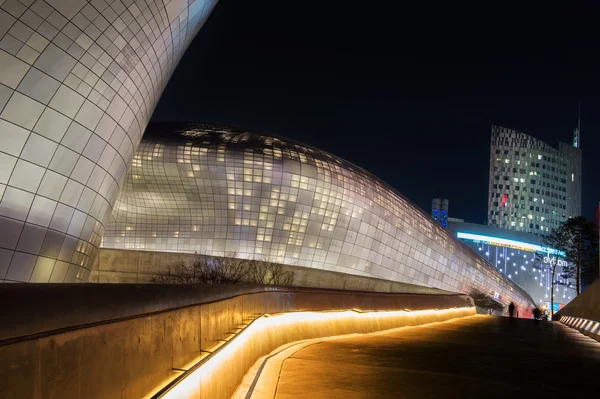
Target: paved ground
pixel 473 357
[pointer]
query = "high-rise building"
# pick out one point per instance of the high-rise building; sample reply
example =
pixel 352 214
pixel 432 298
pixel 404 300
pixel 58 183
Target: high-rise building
pixel 533 186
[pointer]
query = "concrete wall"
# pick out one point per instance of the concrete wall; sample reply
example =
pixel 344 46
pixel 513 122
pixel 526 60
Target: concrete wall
pixel 583 313
pixel 129 266
pixel 586 305
pixel 105 341
pixel 220 378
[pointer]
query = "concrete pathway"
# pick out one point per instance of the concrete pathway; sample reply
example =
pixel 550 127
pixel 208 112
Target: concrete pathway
pixel 473 357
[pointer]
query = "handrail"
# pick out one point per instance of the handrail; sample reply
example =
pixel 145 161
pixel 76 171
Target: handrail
pixel 340 313
pixel 161 393
pixel 40 310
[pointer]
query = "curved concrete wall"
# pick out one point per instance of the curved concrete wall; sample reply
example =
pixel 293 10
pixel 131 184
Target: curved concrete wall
pixel 138 267
pixel 79 81
pixel 120 340
pixel 586 305
pixel 583 313
pixel 220 376
pixel 219 191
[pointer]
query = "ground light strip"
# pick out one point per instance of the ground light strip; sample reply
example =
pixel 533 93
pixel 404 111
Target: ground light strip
pixel 579 323
pixel 286 351
pixel 187 383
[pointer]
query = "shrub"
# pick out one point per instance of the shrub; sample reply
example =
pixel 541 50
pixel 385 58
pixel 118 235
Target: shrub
pixel 224 270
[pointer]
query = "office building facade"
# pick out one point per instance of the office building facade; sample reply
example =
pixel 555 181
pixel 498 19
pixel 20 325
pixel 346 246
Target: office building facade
pixel 522 258
pixel 79 81
pixel 227 192
pixel 533 187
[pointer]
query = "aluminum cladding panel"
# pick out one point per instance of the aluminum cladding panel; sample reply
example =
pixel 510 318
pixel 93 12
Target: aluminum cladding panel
pixel 78 83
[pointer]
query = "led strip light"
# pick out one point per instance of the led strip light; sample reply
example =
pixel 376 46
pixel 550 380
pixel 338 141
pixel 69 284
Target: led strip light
pixel 509 243
pixel 579 323
pixel 186 384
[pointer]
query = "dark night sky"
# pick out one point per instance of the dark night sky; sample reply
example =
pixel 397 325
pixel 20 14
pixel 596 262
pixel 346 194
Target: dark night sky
pixel 408 94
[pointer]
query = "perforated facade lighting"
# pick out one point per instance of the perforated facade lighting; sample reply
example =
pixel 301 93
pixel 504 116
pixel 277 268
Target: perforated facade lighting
pixel 524 246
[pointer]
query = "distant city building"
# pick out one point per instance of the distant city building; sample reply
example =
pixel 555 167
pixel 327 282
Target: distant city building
pixel 533 186
pixel 439 210
pixel 522 258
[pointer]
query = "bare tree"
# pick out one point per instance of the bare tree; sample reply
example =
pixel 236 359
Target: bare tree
pixel 266 272
pixel 581 246
pixel 278 275
pixel 224 270
pixel 178 273
pixel 578 238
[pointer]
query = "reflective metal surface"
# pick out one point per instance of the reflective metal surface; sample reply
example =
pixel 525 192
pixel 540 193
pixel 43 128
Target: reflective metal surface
pixel 78 83
pixel 221 191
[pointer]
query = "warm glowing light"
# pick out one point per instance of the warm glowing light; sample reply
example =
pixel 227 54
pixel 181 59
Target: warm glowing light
pixel 218 362
pixel 591 326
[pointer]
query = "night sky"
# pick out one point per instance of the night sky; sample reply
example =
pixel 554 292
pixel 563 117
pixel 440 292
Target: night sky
pixel 407 94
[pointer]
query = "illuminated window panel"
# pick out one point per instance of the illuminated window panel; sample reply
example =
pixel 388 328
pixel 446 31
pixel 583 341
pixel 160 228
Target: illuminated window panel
pixel 315 210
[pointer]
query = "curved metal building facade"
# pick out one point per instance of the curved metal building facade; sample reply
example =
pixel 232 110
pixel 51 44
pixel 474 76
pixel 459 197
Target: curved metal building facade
pixel 222 191
pixel 79 81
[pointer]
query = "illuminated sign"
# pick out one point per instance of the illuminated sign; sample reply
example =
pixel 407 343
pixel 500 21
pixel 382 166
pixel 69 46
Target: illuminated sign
pixel 557 306
pixel 503 242
pixel 553 260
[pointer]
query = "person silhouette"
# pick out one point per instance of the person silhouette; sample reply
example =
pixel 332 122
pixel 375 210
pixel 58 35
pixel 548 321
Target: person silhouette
pixel 511 309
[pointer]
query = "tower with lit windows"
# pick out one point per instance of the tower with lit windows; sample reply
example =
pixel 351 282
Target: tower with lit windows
pixel 533 186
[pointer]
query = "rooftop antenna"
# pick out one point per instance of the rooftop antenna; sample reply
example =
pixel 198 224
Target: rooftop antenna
pixel 577 133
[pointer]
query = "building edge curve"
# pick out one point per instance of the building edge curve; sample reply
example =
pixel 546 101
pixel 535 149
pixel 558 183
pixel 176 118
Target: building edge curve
pixel 79 81
pixel 220 191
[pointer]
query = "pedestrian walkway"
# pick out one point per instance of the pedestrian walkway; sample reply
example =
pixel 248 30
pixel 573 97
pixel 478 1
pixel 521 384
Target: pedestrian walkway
pixel 472 357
